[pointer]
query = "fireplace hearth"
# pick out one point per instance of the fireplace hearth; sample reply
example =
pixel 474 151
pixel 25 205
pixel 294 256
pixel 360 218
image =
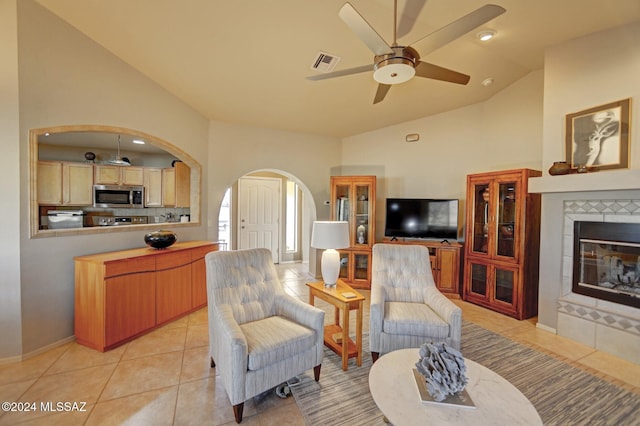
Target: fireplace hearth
pixel 606 261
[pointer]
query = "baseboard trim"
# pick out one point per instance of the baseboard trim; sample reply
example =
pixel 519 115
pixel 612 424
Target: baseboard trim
pixel 546 328
pixel 24 357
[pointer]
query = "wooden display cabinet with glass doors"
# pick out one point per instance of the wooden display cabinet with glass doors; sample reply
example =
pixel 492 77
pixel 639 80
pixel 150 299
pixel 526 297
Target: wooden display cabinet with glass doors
pixel 353 199
pixel 502 242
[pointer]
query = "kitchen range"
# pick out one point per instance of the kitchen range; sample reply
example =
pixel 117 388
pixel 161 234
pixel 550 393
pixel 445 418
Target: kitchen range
pixel 119 220
pixel 64 219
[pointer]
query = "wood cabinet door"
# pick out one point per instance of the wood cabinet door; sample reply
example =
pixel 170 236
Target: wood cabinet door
pixel 50 182
pixel 129 307
pixel 355 268
pixel 77 184
pixel 199 275
pixel 153 187
pixel 182 184
pixel 132 176
pixel 106 175
pixel 353 200
pixel 173 285
pixel 168 187
pixel 448 270
pixel 199 284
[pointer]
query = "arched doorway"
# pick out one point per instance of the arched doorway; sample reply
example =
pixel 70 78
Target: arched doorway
pixel 297 211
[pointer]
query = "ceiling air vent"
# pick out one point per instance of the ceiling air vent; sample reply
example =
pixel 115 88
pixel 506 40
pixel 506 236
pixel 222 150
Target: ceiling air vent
pixel 324 62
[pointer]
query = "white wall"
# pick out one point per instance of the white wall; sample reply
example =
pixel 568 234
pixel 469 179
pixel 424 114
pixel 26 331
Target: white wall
pixel 65 78
pixel 580 74
pixel 237 150
pixel 502 133
pixel 10 318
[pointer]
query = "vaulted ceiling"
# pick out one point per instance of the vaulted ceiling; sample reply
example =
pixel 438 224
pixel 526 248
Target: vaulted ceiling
pixel 245 61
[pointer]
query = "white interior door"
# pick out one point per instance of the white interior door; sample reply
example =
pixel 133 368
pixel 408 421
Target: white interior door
pixel 259 214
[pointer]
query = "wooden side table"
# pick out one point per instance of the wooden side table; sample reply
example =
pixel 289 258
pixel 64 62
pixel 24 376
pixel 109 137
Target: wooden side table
pixel 346 347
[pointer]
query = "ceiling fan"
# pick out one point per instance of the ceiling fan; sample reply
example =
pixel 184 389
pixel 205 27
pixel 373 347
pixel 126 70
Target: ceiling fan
pixel 395 64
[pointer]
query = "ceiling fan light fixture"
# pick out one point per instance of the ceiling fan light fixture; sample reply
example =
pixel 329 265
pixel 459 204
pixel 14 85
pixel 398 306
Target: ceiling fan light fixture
pixel 395 71
pixel 486 35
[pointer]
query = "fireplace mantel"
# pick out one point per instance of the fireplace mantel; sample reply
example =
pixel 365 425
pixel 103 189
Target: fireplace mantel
pixel 610 180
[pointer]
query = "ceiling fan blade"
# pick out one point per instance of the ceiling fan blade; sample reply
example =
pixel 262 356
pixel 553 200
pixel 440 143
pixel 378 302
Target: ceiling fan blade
pixel 382 91
pixel 458 28
pixel 409 15
pixel 363 30
pixel 348 71
pixel 427 70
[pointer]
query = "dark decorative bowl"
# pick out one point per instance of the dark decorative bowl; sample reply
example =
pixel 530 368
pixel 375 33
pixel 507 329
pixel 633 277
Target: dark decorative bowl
pixel 160 239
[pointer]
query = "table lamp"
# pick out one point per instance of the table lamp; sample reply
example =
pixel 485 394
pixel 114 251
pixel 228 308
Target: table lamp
pixel 330 235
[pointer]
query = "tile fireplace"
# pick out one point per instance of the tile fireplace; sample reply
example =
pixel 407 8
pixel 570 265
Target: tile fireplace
pixel 606 261
pixel 598 303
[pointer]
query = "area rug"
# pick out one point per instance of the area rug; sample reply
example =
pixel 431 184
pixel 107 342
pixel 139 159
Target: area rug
pixel 562 394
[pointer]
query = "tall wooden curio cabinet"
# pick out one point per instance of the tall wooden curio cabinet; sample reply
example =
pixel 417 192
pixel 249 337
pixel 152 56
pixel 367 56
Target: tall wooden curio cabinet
pixel 502 242
pixel 353 199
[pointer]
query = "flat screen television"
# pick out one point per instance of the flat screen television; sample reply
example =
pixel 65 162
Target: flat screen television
pixel 421 218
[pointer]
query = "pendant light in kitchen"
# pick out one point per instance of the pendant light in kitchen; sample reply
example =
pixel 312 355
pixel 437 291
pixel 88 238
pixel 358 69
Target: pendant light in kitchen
pixel 119 161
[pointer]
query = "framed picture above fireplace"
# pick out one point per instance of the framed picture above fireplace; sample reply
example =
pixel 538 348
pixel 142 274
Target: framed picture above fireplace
pixel 598 138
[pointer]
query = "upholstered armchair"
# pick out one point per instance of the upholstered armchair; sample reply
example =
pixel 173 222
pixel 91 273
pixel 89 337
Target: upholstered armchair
pixel 407 309
pixel 259 336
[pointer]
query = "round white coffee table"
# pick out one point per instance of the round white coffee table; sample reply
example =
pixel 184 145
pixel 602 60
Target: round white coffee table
pixel 497 402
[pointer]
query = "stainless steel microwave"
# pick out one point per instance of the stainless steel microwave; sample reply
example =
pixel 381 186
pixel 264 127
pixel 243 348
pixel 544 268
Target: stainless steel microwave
pixel 118 196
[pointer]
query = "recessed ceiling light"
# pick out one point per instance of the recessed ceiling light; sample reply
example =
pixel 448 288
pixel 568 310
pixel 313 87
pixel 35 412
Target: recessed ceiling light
pixel 487 82
pixel 139 142
pixel 486 35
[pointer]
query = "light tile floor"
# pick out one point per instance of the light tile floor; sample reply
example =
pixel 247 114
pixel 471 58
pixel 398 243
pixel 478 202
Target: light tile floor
pixel 164 377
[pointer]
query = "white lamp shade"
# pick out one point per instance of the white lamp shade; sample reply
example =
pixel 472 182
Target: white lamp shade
pixel 330 235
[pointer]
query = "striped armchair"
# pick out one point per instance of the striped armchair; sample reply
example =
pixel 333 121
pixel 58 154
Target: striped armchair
pixel 407 309
pixel 259 336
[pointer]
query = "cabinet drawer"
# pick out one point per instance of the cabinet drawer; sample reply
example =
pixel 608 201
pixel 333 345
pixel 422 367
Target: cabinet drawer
pixel 130 266
pixel 173 259
pixel 199 252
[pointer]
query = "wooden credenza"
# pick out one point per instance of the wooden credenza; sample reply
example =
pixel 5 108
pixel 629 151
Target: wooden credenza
pixel 446 262
pixel 121 295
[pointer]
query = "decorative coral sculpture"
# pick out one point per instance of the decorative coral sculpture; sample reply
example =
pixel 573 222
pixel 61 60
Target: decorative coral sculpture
pixel 443 368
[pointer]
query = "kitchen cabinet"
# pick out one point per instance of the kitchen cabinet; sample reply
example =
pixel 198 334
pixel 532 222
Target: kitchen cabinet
pixel 121 295
pixel 105 174
pixel 502 242
pixel 353 199
pixel 49 183
pixel 183 184
pixel 169 187
pixel 446 263
pixel 152 187
pixel 65 183
pixel 132 176
pixel 176 185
